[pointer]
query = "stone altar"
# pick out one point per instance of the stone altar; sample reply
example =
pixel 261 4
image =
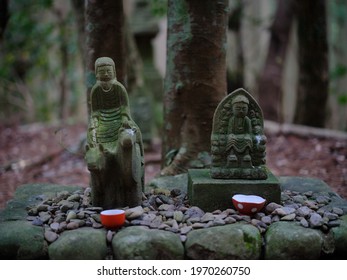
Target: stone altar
pixel 238 151
pixel 114 150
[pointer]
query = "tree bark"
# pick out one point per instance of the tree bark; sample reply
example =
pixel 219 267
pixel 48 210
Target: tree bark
pixel 195 79
pixel 270 82
pixel 235 78
pixel 4 16
pixel 313 63
pixel 104 37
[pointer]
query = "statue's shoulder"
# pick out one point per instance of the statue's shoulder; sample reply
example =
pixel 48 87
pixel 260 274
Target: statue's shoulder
pixel 118 85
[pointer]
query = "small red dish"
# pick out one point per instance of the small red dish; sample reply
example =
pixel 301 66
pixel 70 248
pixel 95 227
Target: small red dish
pixel 113 218
pixel 248 204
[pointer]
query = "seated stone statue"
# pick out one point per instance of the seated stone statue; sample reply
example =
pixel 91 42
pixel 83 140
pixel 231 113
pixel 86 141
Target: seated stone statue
pixel 114 151
pixel 237 141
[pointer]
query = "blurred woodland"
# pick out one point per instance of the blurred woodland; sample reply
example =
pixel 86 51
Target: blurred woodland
pixel 291 55
pixel 177 59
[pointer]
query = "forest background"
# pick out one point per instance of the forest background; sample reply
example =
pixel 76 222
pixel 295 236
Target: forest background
pixel 44 65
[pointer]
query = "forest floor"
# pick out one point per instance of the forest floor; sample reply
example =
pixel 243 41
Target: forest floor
pixel 40 153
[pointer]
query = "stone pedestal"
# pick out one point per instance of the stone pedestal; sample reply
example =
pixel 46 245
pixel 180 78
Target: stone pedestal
pixel 211 194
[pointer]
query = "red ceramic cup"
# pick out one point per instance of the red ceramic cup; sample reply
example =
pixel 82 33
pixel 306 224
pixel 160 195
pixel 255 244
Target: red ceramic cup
pixel 248 204
pixel 113 218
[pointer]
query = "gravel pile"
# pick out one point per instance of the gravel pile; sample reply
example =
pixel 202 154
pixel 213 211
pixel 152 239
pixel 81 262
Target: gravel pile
pixel 171 211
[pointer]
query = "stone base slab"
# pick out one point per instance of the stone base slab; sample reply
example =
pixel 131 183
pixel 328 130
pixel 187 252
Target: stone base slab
pixel 212 194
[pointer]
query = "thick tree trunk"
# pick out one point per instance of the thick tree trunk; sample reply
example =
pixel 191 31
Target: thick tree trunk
pixel 270 82
pixel 313 63
pixel 105 37
pixel 195 79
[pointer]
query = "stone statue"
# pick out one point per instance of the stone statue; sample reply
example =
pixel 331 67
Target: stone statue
pixel 238 141
pixel 114 150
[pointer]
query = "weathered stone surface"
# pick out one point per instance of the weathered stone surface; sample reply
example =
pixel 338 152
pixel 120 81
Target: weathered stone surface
pixel 79 244
pixel 21 240
pixel 114 149
pixel 234 241
pixel 170 182
pixel 238 143
pixel 28 195
pixel 303 184
pixel 211 194
pixel 287 240
pixel 340 236
pixel 141 243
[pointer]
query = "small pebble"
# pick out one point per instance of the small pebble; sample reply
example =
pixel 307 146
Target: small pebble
pixel 51 236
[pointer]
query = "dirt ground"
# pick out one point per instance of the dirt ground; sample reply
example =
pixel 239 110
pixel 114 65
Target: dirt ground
pixel 53 154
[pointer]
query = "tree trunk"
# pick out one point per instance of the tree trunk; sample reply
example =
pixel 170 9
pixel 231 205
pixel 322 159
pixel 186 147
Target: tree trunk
pixel 235 78
pixel 4 16
pixel 195 79
pixel 78 8
pixel 313 63
pixel 104 37
pixel 270 83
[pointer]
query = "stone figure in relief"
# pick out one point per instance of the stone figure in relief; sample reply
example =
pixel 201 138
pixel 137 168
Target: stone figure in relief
pixel 114 151
pixel 238 141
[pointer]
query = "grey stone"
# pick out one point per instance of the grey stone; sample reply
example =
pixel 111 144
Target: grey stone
pixel 72 225
pixel 303 211
pixel 330 216
pixel 51 236
pixel 207 217
pixel 79 244
pixel 234 241
pixel 170 183
pixel 287 240
pixel 272 206
pixel 194 212
pixel 54 226
pixel 338 211
pixel 185 229
pixel 266 220
pixel 178 216
pixel 304 223
pixel 66 205
pixel 21 240
pixel 322 199
pixel 139 243
pixel 71 215
pixel 289 217
pixel 134 213
pixel 316 220
pixel 283 211
pixel 229 220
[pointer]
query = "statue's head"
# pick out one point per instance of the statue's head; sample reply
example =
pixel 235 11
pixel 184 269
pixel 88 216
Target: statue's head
pixel 240 106
pixel 105 69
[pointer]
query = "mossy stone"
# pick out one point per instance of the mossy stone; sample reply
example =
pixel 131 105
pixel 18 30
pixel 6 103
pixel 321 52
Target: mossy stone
pixel 79 244
pixel 233 242
pixel 22 241
pixel 290 241
pixel 140 243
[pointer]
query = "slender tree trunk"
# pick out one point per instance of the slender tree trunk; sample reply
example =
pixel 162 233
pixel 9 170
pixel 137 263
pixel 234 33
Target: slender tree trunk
pixel 270 83
pixel 235 78
pixel 195 80
pixel 313 63
pixel 104 37
pixel 78 8
pixel 4 16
